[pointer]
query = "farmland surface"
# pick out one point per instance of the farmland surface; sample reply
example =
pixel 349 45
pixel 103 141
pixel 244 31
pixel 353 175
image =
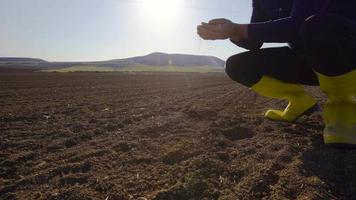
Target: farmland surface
pixel 159 136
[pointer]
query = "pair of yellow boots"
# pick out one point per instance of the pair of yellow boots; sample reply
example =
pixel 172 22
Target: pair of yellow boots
pixel 339 112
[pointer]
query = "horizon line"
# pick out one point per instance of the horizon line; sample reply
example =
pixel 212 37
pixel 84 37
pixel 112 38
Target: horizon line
pixel 78 61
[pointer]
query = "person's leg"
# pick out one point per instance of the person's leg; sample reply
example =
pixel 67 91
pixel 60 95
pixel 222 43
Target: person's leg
pixel 281 63
pixel 330 43
pixel 275 73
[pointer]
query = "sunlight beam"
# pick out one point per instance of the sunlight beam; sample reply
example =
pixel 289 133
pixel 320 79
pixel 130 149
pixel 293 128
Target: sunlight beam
pixel 160 12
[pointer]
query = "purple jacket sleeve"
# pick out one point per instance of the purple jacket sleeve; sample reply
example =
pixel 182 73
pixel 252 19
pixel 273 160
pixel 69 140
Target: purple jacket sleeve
pixel 286 29
pixel 257 16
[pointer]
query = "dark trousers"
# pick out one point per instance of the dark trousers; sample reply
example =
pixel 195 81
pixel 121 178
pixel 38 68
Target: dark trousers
pixel 329 48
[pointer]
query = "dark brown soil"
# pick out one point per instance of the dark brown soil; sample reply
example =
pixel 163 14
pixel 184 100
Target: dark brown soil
pixel 159 136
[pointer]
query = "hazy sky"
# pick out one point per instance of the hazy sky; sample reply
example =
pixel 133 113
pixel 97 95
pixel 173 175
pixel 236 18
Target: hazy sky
pixel 82 30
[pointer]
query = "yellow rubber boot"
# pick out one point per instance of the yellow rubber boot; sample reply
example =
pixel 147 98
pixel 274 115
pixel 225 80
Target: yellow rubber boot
pixel 340 109
pixel 299 101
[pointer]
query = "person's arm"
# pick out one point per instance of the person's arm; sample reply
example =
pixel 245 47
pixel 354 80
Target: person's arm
pixel 257 16
pixel 286 29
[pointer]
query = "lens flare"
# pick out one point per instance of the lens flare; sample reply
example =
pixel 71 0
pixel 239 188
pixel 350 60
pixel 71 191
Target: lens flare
pixel 161 11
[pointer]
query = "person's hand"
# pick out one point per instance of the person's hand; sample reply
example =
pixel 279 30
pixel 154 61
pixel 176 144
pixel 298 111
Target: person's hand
pixel 220 29
pixel 216 29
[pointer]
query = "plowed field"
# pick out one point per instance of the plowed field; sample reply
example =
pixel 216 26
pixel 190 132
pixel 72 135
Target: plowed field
pixel 159 136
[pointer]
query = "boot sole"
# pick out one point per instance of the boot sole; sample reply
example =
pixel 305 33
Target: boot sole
pixel 342 146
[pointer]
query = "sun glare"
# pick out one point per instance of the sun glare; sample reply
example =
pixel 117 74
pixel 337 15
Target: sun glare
pixel 161 11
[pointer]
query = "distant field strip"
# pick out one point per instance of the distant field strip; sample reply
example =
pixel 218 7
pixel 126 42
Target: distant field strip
pixel 202 69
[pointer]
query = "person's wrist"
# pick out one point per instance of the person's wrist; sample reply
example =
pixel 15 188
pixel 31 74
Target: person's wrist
pixel 240 31
pixel 243 31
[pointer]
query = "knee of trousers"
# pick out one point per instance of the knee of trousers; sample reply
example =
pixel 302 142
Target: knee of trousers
pixel 243 69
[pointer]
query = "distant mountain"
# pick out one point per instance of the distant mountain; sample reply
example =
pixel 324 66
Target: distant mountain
pixel 183 60
pixel 152 60
pixel 21 60
pixel 27 64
